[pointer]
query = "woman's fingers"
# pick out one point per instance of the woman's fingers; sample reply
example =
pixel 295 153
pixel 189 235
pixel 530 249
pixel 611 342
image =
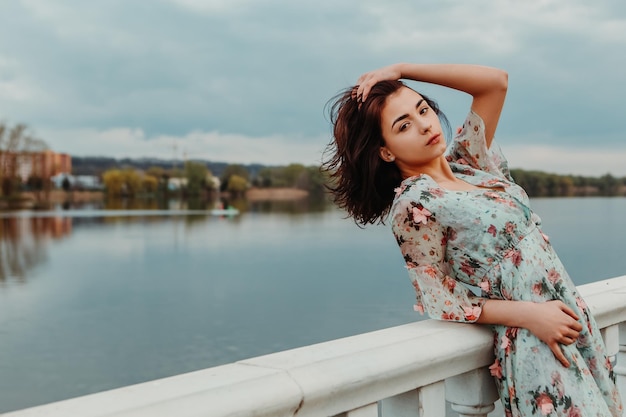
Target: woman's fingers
pixel 569 311
pixel 369 79
pixel 558 354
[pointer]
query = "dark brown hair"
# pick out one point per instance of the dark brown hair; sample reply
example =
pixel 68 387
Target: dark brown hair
pixel 363 184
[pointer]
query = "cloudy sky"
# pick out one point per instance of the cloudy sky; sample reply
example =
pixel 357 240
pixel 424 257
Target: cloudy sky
pixel 244 81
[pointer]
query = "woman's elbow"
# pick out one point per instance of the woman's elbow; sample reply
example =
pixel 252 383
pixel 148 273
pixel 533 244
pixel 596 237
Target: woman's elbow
pixel 502 80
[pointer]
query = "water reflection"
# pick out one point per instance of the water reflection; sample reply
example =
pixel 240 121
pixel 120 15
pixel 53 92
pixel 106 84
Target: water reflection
pixel 23 244
pixel 24 237
pixel 294 206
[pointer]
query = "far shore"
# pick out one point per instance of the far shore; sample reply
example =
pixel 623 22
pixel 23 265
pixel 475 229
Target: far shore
pixel 260 194
pixel 30 199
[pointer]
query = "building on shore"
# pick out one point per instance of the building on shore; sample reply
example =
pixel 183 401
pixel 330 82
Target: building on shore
pixel 25 165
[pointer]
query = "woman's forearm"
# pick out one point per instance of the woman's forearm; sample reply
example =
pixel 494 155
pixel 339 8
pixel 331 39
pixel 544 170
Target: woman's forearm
pixel 472 79
pixel 486 85
pixel 506 313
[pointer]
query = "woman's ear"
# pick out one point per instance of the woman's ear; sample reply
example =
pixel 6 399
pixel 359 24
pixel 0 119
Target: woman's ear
pixel 386 155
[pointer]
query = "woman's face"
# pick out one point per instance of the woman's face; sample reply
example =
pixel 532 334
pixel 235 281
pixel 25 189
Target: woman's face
pixel 411 131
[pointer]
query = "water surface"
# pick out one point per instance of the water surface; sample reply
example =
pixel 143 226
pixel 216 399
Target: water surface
pixel 94 301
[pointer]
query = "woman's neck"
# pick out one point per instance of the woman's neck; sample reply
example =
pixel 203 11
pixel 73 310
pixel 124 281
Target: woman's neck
pixel 438 169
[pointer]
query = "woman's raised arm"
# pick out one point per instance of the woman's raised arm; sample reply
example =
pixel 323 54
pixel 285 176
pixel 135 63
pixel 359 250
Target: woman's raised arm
pixel 486 85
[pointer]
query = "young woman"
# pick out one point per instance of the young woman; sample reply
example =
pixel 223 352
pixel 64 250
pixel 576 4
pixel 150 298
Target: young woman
pixel 462 222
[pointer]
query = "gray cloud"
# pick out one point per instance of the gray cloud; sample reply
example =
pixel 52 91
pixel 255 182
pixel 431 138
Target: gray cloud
pixel 265 69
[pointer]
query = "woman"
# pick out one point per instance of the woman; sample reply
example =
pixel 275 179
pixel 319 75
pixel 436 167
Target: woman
pixel 462 222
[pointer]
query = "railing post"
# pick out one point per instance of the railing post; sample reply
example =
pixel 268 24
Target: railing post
pixel 427 401
pixel 472 394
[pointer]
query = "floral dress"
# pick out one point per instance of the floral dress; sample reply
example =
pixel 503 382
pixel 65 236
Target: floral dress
pixel 464 247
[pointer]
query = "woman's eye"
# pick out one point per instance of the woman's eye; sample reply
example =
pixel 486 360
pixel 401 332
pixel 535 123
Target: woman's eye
pixel 423 110
pixel 403 126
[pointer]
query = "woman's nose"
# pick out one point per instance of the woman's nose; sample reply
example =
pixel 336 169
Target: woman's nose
pixel 424 125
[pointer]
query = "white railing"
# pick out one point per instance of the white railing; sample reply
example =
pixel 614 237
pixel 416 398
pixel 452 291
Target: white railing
pixel 421 369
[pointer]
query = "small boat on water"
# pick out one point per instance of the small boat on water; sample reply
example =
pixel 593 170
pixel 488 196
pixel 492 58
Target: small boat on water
pixel 224 212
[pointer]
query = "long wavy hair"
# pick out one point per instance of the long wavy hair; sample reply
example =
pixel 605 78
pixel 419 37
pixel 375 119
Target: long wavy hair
pixel 362 183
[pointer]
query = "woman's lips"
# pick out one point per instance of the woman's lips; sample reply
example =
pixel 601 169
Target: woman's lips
pixel 433 140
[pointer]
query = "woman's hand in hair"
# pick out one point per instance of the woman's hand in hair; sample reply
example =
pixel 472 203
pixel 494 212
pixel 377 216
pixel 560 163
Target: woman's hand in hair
pixel 369 79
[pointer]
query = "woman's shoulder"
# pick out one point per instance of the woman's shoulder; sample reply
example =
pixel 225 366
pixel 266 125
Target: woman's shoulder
pixel 469 148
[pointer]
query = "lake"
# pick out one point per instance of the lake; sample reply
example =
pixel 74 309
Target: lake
pixel 94 300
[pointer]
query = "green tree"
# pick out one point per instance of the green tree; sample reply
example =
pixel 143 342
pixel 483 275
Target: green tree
pixel 196 174
pixel 113 181
pixel 608 185
pixel 264 178
pixel 237 184
pixel 132 181
pixel 149 184
pixel 292 173
pixel 231 170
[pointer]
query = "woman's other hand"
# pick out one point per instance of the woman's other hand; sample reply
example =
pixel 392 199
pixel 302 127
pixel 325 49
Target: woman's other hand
pixel 554 323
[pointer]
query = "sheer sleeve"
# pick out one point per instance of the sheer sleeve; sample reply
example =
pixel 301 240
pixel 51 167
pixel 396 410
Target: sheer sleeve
pixel 422 241
pixel 470 148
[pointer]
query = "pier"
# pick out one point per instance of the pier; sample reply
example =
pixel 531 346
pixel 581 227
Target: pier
pixel 423 369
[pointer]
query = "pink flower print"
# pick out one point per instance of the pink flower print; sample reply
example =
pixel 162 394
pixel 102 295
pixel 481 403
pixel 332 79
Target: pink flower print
pixel 537 288
pixel 420 215
pixel 496 369
pixel 437 192
pixel 581 303
pixel 485 286
pixel 544 403
pixel 510 227
pixel 399 190
pixel 515 255
pixel 574 412
pixel 505 343
pixel 512 392
pixel 558 383
pixel 511 332
pixel 553 276
pixel 492 230
pixel 494 183
pixel 410 265
pixel 449 316
pixel 431 271
pixel 545 237
pixel 472 313
pixel 467 268
pixel 419 308
pixel 449 283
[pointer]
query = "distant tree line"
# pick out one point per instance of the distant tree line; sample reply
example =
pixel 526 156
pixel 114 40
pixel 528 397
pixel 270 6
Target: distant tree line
pixel 193 180
pixel 132 177
pixel 542 184
pixel 236 178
